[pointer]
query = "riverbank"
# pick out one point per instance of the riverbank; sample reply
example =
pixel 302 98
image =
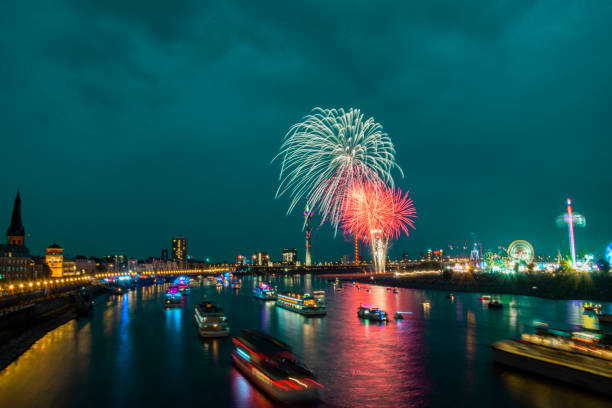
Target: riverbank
pixel 580 286
pixel 21 329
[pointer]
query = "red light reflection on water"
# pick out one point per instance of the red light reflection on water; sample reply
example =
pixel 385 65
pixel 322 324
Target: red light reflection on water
pixel 375 364
pixel 244 394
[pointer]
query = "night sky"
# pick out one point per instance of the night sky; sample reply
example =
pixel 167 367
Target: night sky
pixel 124 123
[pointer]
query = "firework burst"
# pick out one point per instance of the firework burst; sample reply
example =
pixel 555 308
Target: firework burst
pixel 374 206
pixel 377 214
pixel 326 152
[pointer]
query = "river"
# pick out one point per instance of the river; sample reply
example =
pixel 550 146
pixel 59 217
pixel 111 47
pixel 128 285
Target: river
pixel 134 353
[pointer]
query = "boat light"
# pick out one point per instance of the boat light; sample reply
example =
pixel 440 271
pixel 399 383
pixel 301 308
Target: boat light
pixel 243 354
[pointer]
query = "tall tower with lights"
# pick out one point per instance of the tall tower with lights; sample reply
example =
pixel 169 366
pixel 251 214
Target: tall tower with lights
pixel 572 220
pixel 179 248
pixel 356 249
pixel 307 217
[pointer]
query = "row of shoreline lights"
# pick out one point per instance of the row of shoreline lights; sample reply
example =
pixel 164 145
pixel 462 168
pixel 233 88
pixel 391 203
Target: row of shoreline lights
pixel 64 281
pixel 172 272
pixel 48 282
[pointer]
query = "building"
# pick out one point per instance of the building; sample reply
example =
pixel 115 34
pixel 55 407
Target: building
pixel 164 255
pixel 16 233
pixel 240 260
pixel 133 265
pixel 289 256
pixel 69 268
pixel 55 260
pixel 84 266
pixel 179 248
pixel 261 259
pixel 15 255
pixel 437 255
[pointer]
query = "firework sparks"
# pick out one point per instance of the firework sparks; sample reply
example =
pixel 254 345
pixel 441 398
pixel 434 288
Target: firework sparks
pixel 374 206
pixel 326 152
pixel 377 214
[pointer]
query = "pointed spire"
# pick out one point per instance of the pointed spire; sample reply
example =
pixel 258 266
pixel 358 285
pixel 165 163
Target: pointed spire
pixel 16 228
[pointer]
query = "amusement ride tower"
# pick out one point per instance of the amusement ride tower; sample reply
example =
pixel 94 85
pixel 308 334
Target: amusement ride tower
pixel 571 220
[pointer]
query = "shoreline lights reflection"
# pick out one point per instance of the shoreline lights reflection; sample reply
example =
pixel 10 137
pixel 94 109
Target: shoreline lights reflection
pixel 361 364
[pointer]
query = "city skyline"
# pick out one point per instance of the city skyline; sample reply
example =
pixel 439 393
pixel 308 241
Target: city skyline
pixel 129 135
pixel 178 242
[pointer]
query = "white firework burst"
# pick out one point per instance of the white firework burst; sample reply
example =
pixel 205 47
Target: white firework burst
pixel 328 151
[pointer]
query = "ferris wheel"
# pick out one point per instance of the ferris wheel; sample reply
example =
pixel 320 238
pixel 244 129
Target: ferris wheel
pixel 521 251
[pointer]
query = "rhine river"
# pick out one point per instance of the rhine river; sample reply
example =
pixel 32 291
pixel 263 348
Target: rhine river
pixel 134 353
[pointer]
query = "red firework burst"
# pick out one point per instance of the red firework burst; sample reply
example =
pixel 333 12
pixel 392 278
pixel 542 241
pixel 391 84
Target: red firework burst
pixel 375 207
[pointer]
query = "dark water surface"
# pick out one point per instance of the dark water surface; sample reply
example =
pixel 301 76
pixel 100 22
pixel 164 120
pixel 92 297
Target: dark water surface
pixel 134 353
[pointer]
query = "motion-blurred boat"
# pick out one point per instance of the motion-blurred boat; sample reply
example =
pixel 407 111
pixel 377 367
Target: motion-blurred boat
pixel 581 358
pixel 274 368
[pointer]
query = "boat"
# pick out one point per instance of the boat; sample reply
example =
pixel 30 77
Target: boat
pixel 369 290
pixel 485 298
pixel 395 290
pixel 400 315
pixel 263 291
pixel 236 284
pixel 388 289
pixel 182 283
pixel 174 298
pixel 211 320
pixel 581 358
pixel 84 303
pixel 369 312
pixel 160 281
pixel 495 304
pixel 308 304
pixel 450 296
pixel 274 368
pixel 605 318
pixel 591 307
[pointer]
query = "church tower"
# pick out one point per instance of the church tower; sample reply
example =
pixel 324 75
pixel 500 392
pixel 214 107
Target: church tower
pixel 16 232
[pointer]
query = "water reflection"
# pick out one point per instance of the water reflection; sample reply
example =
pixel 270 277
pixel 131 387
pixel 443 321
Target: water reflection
pixel 536 392
pixel 244 394
pixel 174 319
pixel 436 356
pixel 211 348
pixel 68 347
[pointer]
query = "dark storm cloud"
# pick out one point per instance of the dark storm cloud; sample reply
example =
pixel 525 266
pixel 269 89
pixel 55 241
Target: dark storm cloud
pixel 137 120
